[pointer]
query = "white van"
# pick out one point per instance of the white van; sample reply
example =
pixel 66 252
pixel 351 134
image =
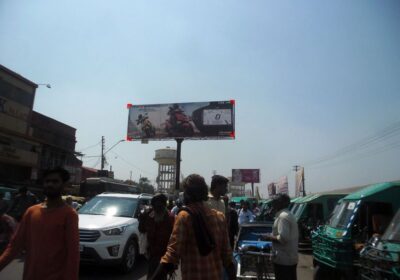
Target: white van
pixel 108 229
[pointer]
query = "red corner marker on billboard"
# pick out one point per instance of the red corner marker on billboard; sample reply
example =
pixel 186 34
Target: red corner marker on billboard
pixel 232 101
pixel 128 138
pixel 129 105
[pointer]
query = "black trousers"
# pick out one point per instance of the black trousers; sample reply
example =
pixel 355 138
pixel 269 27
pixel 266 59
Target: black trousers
pixel 285 272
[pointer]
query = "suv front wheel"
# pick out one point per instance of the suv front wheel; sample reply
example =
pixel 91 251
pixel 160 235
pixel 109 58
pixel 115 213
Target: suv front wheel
pixel 130 256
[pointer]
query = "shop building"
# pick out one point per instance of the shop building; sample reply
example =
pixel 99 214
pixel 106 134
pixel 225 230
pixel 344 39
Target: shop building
pixel 19 152
pixel 57 145
pixel 31 142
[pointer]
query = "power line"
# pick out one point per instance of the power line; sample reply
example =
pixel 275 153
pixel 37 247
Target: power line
pixel 97 163
pixel 89 160
pixel 131 164
pixel 378 137
pixel 92 146
pixel 361 156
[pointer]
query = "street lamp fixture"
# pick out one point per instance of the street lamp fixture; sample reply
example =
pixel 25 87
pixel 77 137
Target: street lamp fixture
pixel 47 85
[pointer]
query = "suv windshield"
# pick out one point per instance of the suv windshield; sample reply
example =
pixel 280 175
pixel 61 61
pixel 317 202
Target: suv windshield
pixel 342 214
pixel 393 231
pixel 110 206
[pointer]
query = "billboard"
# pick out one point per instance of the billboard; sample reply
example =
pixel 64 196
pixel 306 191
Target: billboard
pixel 246 175
pixel 299 181
pixel 196 120
pixel 271 190
pixel 282 186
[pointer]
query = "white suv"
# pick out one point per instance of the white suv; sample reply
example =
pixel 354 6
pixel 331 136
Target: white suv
pixel 108 229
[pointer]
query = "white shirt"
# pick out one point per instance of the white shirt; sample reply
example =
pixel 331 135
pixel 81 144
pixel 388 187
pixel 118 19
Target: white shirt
pixel 245 216
pixel 216 204
pixel 285 229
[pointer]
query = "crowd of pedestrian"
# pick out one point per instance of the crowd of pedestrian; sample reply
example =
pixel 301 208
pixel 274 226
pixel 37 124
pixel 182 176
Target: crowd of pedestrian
pixel 197 232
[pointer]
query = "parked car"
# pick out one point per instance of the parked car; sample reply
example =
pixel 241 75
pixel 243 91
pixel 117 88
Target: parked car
pixel 108 229
pixel 359 216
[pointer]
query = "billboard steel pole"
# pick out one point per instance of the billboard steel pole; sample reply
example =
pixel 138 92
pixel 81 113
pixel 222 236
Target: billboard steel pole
pixel 178 163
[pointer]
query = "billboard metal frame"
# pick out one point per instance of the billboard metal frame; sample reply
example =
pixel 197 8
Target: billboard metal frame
pixel 160 128
pixel 211 129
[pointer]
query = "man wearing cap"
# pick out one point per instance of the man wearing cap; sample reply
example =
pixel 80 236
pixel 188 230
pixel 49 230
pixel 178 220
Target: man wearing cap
pixel 285 237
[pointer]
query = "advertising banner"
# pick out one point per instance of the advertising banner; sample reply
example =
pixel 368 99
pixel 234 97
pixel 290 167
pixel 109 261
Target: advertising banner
pixel 282 186
pixel 271 189
pixel 299 181
pixel 246 175
pixel 18 151
pixel 13 116
pixel 196 120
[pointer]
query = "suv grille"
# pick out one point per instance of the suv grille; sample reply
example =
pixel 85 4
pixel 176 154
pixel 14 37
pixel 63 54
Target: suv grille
pixel 88 235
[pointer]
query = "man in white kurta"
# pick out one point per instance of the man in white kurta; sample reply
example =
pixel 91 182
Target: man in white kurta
pixel 285 238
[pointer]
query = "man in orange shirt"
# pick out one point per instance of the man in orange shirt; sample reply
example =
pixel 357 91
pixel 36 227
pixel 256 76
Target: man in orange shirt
pixel 49 234
pixel 199 240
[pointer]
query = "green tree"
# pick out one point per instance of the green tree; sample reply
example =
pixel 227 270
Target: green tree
pixel 145 186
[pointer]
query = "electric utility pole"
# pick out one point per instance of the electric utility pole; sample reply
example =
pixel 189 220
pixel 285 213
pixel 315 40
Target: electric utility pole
pixel 103 158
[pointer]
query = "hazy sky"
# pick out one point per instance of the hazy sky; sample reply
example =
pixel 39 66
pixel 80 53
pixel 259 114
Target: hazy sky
pixel 308 77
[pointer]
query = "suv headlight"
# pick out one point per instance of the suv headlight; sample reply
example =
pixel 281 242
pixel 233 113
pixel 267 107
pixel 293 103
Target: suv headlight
pixel 115 231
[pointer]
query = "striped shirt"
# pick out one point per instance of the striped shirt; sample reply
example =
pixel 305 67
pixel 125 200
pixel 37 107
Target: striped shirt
pixel 183 247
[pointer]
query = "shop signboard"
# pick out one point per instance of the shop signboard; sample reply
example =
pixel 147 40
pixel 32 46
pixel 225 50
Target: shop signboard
pixel 271 190
pixel 16 101
pixel 17 151
pixel 13 116
pixel 196 120
pixel 282 186
pixel 299 182
pixel 246 175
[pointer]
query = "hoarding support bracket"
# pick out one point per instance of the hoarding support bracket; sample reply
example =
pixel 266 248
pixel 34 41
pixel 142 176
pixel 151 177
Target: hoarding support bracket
pixel 178 163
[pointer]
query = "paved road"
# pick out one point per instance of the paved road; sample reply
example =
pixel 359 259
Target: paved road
pixel 15 269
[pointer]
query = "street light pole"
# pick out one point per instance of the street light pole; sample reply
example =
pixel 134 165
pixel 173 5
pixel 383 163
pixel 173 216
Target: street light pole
pixel 103 153
pixel 114 146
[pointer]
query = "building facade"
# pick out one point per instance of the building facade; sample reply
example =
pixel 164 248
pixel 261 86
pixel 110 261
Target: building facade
pixel 29 141
pixel 58 145
pixel 19 152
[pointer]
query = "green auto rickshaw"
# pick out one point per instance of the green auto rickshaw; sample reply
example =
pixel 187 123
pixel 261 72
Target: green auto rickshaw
pixel 380 259
pixel 359 216
pixel 314 210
